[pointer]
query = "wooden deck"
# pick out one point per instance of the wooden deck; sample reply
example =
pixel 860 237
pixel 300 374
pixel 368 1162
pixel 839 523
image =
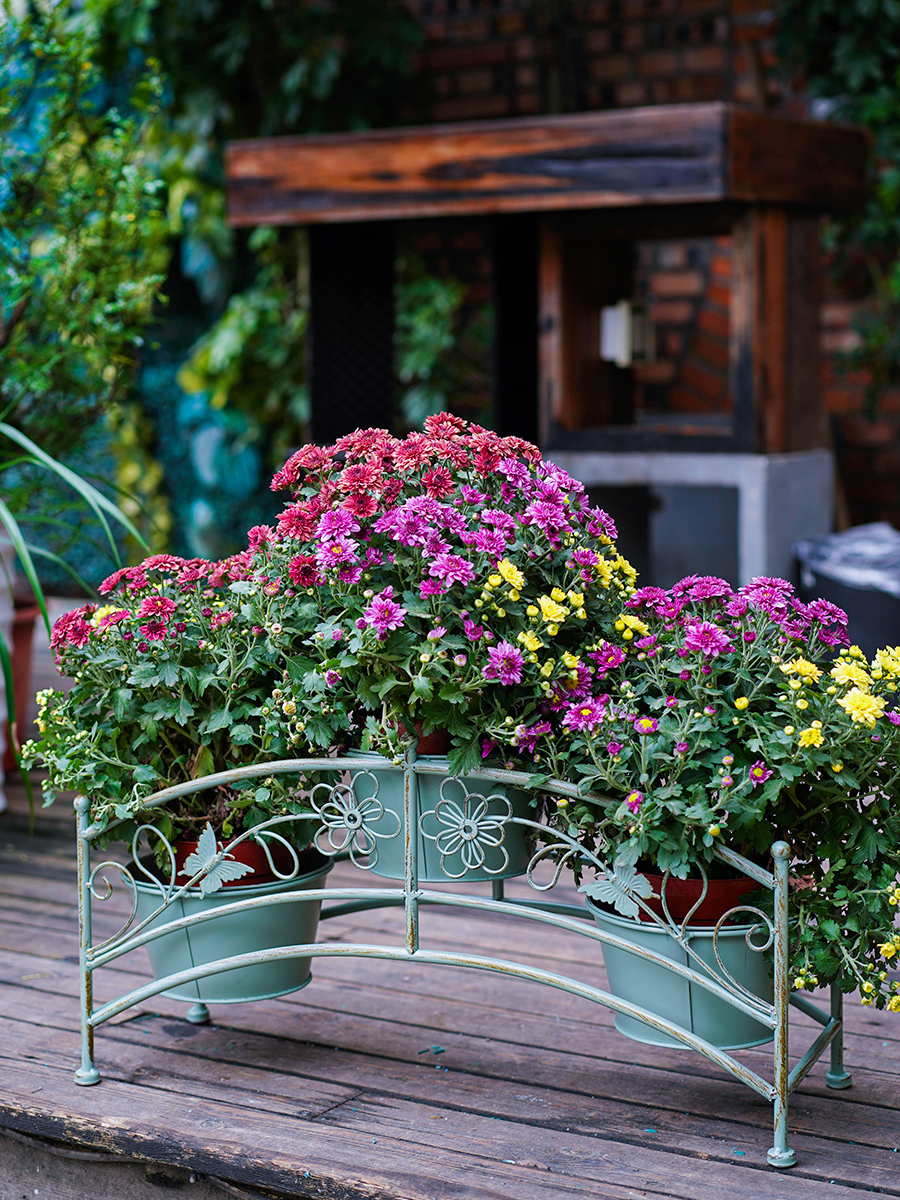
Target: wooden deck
pixel 387 1080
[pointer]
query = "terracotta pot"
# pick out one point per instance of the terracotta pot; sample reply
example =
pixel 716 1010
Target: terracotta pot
pixel 251 854
pixel 683 894
pixel 24 617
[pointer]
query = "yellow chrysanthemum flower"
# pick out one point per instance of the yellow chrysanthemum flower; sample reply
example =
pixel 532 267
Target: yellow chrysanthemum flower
pixel 558 595
pixel 604 571
pixel 102 612
pixel 806 670
pixel 624 568
pixel 850 672
pixel 571 660
pixel 887 660
pixel 632 622
pixel 811 737
pixel 552 611
pixel 576 599
pixel 530 640
pixel 860 706
pixel 510 574
pixel 894 1004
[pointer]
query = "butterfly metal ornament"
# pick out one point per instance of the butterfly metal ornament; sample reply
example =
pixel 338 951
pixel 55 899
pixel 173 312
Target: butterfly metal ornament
pixel 617 887
pixel 223 872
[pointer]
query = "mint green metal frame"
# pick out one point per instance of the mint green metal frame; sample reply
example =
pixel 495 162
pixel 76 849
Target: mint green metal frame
pixel 411 896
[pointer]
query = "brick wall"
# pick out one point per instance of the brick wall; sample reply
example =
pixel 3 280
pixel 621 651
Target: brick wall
pixel 508 58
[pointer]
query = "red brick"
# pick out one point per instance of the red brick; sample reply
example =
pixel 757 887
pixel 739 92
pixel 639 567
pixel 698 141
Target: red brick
pixel 712 350
pixel 632 93
pixel 713 322
pixel 671 255
pixel 674 344
pixel 699 7
pixel 471 108
pixel 673 312
pixel 615 67
pixel 716 293
pixel 448 58
pixel 720 266
pixel 842 399
pixel 634 8
pixel 682 399
pixel 701 87
pixel 528 104
pixel 887 462
pixel 861 432
pixel 525 47
pixel 834 341
pixel 526 75
pixel 696 375
pixel 754 7
pixel 676 283
pixel 597 13
pixel 633 37
pixel 659 62
pixel 839 312
pixel 471 29
pixel 867 490
pixel 473 83
pixel 663 91
pixel 509 23
pixel 597 41
pixel 654 372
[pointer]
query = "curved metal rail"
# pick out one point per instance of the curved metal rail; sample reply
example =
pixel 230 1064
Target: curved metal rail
pixel 472 831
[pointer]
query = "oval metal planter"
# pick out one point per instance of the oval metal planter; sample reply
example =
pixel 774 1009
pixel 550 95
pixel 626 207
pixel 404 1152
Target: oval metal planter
pixel 652 987
pixel 464 828
pixel 260 928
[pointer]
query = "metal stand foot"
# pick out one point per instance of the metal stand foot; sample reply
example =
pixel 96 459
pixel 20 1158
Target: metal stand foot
pixel 781 1158
pixel 86 1076
pixel 837 1077
pixel 197 1014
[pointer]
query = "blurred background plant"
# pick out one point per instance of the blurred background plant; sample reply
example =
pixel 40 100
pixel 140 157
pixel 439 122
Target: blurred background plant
pixel 849 52
pixel 82 248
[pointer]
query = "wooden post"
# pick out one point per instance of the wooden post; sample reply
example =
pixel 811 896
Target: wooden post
pixel 352 380
pixel 514 241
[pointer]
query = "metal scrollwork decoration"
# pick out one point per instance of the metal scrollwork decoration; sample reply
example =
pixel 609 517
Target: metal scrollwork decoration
pixel 470 830
pixel 348 821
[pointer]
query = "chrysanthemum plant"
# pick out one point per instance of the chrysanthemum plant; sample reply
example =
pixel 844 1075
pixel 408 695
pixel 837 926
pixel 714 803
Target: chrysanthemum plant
pixel 736 719
pixel 169 676
pixel 451 578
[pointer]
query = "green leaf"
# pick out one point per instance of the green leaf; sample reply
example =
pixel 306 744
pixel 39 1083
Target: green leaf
pixel 218 720
pixel 204 763
pixel 241 735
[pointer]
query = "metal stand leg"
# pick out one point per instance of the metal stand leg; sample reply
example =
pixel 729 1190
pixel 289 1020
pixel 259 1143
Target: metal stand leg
pixel 197 1014
pixel 837 1077
pixel 781 1154
pixel 87 1073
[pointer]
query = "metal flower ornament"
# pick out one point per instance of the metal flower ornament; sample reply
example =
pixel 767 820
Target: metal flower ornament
pixel 470 829
pixel 348 822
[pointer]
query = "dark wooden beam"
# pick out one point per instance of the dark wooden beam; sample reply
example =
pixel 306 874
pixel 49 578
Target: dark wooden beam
pixel 664 154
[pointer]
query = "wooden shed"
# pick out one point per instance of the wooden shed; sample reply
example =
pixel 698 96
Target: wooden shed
pixel 580 208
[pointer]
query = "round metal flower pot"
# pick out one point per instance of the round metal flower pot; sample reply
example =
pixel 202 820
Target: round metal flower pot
pixel 261 928
pixel 464 833
pixel 651 986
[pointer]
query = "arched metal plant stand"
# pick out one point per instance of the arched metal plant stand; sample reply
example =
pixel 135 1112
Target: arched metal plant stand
pixel 470 831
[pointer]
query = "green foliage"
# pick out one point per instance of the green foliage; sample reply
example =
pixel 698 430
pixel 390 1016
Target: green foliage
pixel 81 232
pixel 440 349
pixel 850 52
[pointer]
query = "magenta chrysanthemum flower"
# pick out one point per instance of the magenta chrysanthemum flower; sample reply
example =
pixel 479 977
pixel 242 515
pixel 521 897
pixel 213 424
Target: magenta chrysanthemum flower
pixel 708 587
pixel 303 570
pixel 893 717
pixel 634 800
pixel 645 725
pixel 681 747
pixel 490 541
pixel 336 523
pixel 505 663
pixel 154 631
pixel 336 552
pixel 586 714
pixel 613 748
pixel 759 773
pixel 160 607
pixel 435 635
pixel 450 568
pixel 384 614
pixel 707 638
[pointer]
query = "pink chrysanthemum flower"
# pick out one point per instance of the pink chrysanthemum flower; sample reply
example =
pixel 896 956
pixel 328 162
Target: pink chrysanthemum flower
pixel 505 663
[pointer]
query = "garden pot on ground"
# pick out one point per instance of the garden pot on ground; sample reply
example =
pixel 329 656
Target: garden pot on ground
pixel 286 924
pixel 458 838
pixel 653 987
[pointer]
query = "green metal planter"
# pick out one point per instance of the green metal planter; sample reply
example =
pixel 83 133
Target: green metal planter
pixel 651 985
pixel 465 830
pixel 289 924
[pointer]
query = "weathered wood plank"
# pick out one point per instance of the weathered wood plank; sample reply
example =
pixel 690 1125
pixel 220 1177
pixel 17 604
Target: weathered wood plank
pixel 658 154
